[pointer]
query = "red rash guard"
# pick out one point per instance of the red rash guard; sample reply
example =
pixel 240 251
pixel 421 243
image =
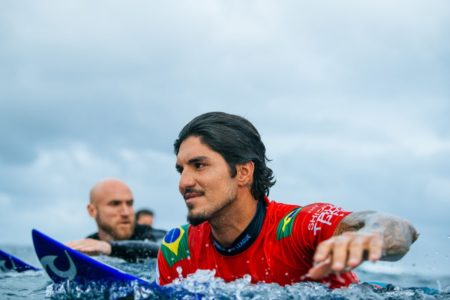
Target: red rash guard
pixel 282 253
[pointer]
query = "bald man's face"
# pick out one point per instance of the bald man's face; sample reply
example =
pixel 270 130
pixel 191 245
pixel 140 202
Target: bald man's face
pixel 112 208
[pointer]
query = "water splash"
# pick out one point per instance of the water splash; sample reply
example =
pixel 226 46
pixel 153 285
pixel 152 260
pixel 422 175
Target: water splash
pixel 36 285
pixel 204 282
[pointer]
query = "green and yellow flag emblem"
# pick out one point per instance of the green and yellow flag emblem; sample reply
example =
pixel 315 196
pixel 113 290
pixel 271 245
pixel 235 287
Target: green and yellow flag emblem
pixel 175 245
pixel 286 224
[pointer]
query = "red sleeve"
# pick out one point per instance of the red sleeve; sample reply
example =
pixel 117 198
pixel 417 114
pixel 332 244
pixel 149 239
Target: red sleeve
pixel 163 270
pixel 165 274
pixel 317 222
pixel 173 256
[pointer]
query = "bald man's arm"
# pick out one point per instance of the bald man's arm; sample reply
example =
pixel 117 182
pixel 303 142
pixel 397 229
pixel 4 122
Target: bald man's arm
pixel 128 250
pixel 134 250
pixel 91 246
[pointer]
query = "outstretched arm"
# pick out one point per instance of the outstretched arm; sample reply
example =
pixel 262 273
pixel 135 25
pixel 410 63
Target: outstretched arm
pixel 363 236
pixel 133 250
pixel 129 250
pixel 91 246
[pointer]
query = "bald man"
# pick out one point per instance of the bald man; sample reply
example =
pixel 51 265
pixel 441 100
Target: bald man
pixel 111 206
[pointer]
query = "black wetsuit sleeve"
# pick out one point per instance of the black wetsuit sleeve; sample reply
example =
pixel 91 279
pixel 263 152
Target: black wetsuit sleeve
pixel 134 250
pixel 158 234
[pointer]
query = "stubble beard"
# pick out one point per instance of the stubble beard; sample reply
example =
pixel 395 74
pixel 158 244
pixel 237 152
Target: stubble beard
pixel 206 215
pixel 195 220
pixel 115 232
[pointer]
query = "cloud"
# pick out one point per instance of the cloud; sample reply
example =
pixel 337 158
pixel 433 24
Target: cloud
pixel 351 99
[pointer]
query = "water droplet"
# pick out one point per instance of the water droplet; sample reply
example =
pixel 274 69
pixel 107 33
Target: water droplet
pixel 179 270
pixel 247 278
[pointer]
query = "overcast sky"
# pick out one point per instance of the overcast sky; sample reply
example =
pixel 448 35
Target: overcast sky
pixel 352 99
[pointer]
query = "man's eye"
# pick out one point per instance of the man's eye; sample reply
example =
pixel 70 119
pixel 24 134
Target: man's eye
pixel 199 165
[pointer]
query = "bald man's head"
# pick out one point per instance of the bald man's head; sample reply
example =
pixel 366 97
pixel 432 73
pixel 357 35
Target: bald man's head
pixel 111 205
pixel 110 185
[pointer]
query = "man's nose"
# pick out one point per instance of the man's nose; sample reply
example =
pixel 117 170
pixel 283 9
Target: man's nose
pixel 126 209
pixel 187 180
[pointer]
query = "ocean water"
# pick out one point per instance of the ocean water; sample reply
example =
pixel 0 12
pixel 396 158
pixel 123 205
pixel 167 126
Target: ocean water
pixel 37 285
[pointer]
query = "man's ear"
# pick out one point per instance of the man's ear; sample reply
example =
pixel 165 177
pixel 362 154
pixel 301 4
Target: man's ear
pixel 245 173
pixel 92 210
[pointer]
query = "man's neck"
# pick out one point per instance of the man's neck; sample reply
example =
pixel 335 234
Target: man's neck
pixel 234 219
pixel 103 236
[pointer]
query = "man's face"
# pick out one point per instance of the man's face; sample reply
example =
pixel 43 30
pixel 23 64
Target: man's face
pixel 113 211
pixel 145 220
pixel 205 180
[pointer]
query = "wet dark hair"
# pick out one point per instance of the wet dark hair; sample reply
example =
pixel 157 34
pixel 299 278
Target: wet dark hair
pixel 237 140
pixel 144 211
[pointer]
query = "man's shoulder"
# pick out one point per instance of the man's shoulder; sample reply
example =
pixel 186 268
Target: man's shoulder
pixel 186 230
pixel 282 209
pixel 186 233
pixel 289 218
pixel 175 245
pixel 279 210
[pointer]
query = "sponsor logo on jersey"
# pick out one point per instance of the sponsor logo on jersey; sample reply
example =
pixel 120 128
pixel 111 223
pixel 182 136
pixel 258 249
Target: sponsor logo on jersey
pixel 175 245
pixel 323 217
pixel 286 224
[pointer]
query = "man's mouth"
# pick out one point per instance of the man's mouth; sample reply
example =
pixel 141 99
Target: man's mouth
pixel 189 194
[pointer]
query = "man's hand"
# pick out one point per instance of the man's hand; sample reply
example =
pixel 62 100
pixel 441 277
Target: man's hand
pixel 344 252
pixel 91 247
pixel 363 236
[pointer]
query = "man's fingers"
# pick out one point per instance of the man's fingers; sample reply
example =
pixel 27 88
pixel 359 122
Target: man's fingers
pixel 340 251
pixel 75 244
pixel 345 252
pixel 356 251
pixel 323 250
pixel 90 246
pixel 320 270
pixel 375 248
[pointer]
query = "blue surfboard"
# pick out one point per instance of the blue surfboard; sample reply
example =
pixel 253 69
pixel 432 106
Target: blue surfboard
pixel 9 262
pixel 63 263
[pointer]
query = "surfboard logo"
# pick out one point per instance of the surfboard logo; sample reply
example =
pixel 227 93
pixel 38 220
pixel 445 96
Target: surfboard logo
pixel 286 224
pixel 175 245
pixel 49 261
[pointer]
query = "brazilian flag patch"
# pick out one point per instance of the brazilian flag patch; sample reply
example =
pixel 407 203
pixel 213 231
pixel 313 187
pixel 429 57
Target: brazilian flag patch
pixel 175 245
pixel 286 224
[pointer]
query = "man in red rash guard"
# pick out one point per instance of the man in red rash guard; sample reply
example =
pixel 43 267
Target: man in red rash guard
pixel 236 230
